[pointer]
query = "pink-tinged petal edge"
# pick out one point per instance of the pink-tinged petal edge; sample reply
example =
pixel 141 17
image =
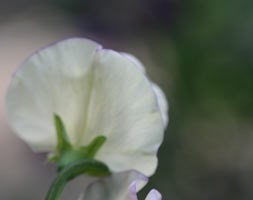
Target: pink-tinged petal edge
pixel 154 195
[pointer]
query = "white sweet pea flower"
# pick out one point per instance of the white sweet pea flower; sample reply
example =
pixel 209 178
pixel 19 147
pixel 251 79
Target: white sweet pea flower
pixel 95 92
pixel 119 186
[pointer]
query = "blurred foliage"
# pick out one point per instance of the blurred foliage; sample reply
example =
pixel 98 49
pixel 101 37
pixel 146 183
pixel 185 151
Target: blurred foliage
pixel 214 44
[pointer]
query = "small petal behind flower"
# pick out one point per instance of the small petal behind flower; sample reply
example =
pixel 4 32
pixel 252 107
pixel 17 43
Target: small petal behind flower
pixel 119 186
pixel 154 195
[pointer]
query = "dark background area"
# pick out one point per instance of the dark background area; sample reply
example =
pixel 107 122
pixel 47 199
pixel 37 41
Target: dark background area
pixel 199 52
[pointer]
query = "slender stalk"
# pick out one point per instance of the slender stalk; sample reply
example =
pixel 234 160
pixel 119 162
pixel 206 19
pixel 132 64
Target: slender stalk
pixel 71 171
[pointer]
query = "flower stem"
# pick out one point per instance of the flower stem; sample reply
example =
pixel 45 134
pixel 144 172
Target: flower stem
pixel 71 171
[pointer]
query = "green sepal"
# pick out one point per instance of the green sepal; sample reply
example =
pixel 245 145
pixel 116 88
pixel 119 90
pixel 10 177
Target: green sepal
pixel 52 157
pixel 91 150
pixel 63 143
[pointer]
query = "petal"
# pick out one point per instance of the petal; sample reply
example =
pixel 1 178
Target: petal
pixel 154 195
pixel 135 60
pixel 54 80
pixel 119 186
pixel 161 98
pixel 162 102
pixel 124 108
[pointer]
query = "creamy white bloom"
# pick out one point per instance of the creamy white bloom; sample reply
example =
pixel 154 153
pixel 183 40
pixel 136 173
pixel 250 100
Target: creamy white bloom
pixel 96 92
pixel 119 186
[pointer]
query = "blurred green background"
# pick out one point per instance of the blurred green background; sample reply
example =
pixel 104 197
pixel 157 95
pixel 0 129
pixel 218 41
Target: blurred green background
pixel 200 53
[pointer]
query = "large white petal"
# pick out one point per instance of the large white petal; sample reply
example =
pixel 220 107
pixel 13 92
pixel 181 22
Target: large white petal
pixel 124 108
pixel 119 186
pixel 54 80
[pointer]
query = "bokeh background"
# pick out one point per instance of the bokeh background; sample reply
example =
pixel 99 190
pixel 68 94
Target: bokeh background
pixel 200 53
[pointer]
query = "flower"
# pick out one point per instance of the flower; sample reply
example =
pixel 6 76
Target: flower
pixel 96 92
pixel 119 186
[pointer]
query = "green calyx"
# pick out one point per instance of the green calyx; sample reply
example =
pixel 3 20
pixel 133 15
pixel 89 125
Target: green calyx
pixel 74 161
pixel 71 171
pixel 66 153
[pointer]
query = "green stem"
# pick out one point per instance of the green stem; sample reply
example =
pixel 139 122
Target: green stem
pixel 71 171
